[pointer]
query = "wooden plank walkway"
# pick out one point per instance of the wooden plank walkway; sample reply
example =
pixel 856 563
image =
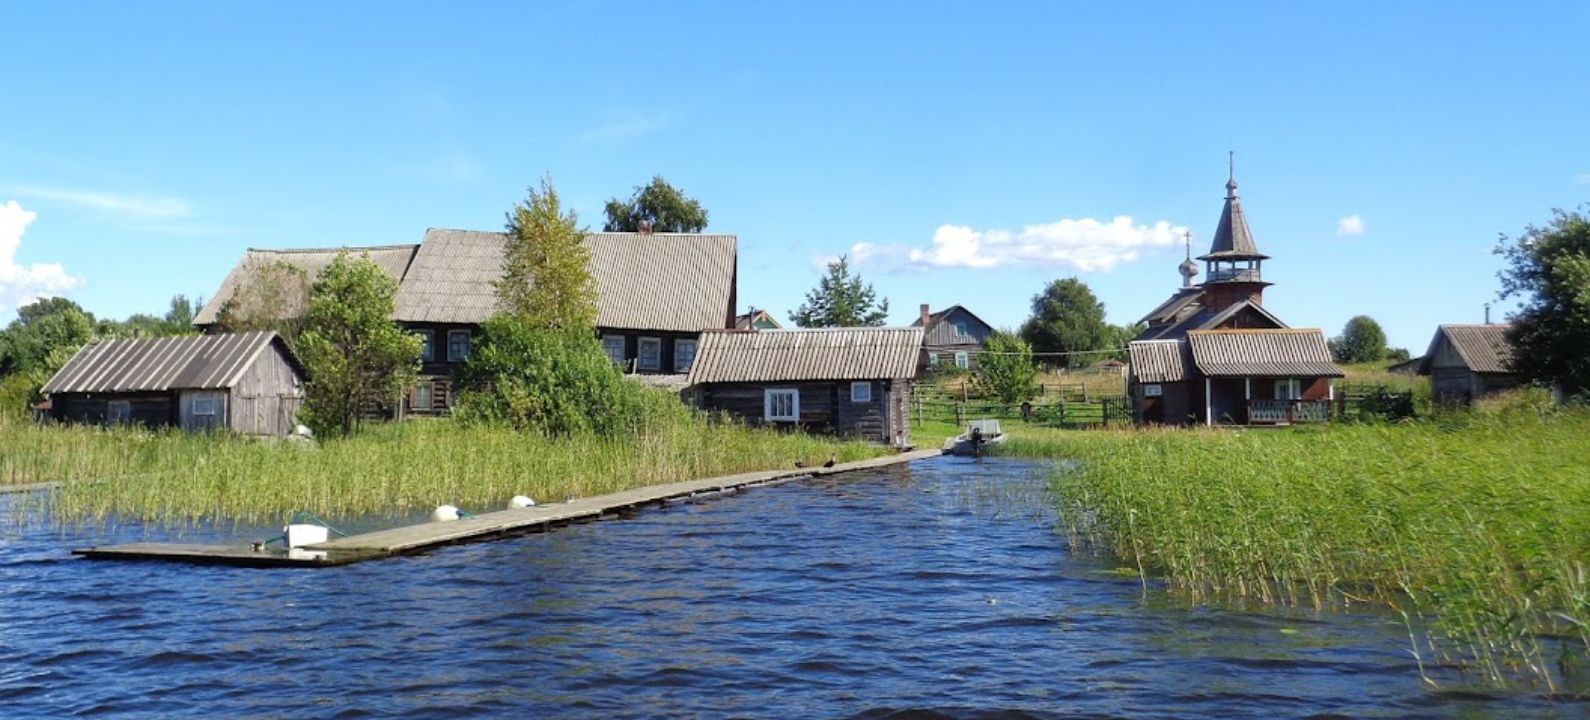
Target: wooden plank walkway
pixel 415 539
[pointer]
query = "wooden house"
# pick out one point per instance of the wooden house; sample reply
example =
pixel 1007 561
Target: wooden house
pixel 248 383
pixel 655 294
pixel 392 259
pixel 847 381
pixel 1213 354
pixel 953 336
pixel 1467 362
pixel 755 319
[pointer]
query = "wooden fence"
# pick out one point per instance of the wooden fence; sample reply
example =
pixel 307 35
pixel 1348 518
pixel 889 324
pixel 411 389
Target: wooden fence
pixel 1094 413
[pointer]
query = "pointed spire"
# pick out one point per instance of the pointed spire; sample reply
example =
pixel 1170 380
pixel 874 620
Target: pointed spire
pixel 1233 240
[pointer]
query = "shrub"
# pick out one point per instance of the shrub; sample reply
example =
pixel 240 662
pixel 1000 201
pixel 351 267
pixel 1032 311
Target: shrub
pixel 555 382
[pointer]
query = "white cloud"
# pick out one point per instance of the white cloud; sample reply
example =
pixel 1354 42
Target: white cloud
pixel 19 284
pixel 623 130
pixel 1350 225
pixel 137 207
pixel 1085 245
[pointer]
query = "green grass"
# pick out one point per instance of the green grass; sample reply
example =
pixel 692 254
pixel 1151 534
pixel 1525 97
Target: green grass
pixel 1476 522
pixel 389 469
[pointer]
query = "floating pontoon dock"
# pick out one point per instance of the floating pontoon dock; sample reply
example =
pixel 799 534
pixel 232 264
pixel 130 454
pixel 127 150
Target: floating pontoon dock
pixel 415 539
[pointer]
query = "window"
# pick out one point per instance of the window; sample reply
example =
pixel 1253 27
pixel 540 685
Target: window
pixel 421 397
pixel 428 348
pixel 206 406
pixel 782 405
pixel 650 353
pixel 861 392
pixel 1153 391
pixel 457 345
pixel 933 359
pixel 613 345
pixel 120 411
pixel 684 354
pixel 963 361
pixel 1288 389
pixel 960 330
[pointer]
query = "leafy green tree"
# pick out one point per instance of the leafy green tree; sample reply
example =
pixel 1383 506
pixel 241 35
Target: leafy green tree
pixel 351 350
pixel 841 300
pixel 1361 341
pixel 546 278
pixel 1068 318
pixel 180 315
pixel 1005 368
pixel 273 296
pixel 556 382
pixel 666 208
pixel 1549 268
pixel 44 328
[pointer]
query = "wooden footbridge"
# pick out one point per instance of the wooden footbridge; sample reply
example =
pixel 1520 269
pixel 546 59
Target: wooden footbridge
pixel 414 539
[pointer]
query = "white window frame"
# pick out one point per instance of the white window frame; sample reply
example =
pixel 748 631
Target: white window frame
pixel 425 390
pixel 684 365
pixel 861 392
pixel 118 411
pixel 206 406
pixel 611 342
pixel 960 330
pixel 469 345
pixel 933 359
pixel 963 361
pixel 794 410
pixel 428 345
pixel 1288 389
pixel 656 358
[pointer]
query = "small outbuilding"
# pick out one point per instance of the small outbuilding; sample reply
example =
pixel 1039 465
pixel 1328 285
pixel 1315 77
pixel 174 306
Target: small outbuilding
pixel 1467 362
pixel 854 382
pixel 249 383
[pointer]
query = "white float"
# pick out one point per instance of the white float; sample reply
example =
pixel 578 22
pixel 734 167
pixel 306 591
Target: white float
pixel 443 513
pixel 301 534
pixel 521 501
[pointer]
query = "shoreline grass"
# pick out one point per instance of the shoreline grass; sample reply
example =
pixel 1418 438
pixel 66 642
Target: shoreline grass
pixel 389 469
pixel 1478 521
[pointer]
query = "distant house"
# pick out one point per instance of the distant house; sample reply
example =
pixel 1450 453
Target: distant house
pixel 1467 362
pixel 952 336
pixel 392 259
pixel 1212 354
pixel 249 383
pixel 655 294
pixel 756 320
pixel 847 381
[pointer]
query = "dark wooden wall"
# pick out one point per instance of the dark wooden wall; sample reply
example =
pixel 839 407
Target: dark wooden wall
pixel 824 407
pixel 153 410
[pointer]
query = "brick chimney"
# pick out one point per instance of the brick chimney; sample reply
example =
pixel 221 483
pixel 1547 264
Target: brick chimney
pixel 925 315
pixel 644 227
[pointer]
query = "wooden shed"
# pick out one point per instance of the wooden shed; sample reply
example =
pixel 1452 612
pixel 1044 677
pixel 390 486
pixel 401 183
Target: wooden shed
pixel 848 381
pixel 1467 362
pixel 249 383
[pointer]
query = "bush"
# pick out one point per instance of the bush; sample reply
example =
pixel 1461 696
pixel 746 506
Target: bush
pixel 555 382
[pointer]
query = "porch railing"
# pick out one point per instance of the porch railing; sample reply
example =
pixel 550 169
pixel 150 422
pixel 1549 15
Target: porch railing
pixel 1288 411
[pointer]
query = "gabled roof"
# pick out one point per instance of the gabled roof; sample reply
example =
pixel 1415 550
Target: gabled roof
pixel 1158 361
pixel 871 353
pixel 1168 309
pixel 1233 240
pixel 938 317
pixel 200 362
pixel 1262 353
pixel 1483 348
pixel 747 321
pixel 1206 319
pixel 393 259
pixel 660 281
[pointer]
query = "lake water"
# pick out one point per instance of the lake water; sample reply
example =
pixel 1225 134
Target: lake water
pixel 929 591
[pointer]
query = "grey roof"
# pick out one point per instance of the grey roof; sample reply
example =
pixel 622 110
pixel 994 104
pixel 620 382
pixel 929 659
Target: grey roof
pixel 1483 348
pixel 1158 361
pixel 807 354
pixel 660 281
pixel 935 318
pixel 1233 240
pixel 1262 353
pixel 393 259
pixel 200 362
pixel 747 321
pixel 1170 308
pixel 1206 319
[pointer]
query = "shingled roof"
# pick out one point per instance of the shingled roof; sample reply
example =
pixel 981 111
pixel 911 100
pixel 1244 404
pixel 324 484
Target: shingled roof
pixel 1262 353
pixel 870 353
pixel 659 281
pixel 1233 240
pixel 1158 361
pixel 1483 348
pixel 200 362
pixel 393 260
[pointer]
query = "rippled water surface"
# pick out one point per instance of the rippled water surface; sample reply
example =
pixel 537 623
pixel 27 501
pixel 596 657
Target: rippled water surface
pixel 917 592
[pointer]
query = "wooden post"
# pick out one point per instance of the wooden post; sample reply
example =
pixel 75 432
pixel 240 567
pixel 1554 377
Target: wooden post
pixel 960 415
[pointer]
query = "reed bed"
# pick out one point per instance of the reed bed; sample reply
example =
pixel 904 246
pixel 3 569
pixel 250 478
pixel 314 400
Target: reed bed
pixel 393 469
pixel 1476 526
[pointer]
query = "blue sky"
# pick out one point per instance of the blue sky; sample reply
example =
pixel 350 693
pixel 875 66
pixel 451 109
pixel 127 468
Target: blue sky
pixel 959 152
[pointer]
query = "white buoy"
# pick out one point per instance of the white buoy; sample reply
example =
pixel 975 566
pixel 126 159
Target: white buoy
pixel 443 513
pixel 521 501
